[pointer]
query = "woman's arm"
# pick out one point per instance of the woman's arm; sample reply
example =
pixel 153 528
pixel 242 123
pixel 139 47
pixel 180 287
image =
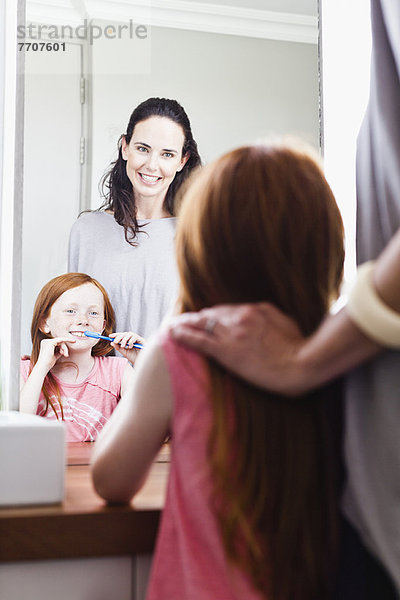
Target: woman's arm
pixel 387 274
pixel 262 345
pixel 265 347
pixel 128 444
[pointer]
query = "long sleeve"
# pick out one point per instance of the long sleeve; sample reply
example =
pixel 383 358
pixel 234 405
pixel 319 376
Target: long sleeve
pixel 372 445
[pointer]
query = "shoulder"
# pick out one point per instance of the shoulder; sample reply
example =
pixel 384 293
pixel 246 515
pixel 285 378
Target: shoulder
pixel 152 385
pixel 182 363
pixel 91 229
pixel 173 348
pixel 92 220
pixel 151 360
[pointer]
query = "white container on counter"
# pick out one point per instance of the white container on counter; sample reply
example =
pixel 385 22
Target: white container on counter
pixel 32 459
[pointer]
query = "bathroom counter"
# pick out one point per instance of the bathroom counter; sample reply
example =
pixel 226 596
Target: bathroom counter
pixel 83 525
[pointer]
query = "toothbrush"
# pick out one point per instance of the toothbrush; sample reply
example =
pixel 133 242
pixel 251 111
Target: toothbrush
pixel 97 336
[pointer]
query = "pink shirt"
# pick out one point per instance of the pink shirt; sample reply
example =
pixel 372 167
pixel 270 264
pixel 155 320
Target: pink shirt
pixel 87 405
pixel 189 561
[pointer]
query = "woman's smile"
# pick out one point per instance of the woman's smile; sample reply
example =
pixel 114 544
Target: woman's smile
pixel 149 179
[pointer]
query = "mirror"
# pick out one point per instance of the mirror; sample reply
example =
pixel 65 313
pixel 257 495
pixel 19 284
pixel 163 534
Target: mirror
pixel 241 71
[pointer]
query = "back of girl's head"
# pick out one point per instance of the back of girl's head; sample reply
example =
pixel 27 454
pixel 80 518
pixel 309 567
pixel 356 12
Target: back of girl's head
pixel 47 297
pixel 116 186
pixel 261 224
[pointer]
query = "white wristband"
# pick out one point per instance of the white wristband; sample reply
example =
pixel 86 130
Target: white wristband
pixel 377 320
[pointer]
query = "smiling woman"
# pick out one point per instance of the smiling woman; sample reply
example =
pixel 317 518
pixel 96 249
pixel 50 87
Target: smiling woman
pixel 136 265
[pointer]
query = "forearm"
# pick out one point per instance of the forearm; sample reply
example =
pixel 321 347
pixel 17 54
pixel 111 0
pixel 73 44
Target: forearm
pixel 339 345
pixel 128 444
pixel 386 276
pixel 266 348
pixel 336 347
pixel 111 449
pixel 30 391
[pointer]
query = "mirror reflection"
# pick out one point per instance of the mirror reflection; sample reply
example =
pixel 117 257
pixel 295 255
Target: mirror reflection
pixel 235 86
pixel 156 155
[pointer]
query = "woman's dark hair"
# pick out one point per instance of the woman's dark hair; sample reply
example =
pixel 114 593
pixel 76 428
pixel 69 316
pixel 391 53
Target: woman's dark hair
pixel 116 187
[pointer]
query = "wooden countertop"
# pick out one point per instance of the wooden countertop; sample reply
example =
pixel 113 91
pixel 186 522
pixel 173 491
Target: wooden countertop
pixel 83 525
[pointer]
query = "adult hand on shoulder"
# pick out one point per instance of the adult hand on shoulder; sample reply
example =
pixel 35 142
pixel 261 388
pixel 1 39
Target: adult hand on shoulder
pixel 258 342
pixel 123 342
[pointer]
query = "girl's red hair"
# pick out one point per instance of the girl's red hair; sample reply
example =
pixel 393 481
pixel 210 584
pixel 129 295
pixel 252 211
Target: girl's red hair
pixel 261 225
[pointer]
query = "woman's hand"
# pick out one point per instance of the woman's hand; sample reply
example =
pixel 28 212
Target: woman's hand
pixel 255 341
pixel 51 349
pixel 123 342
pixel 264 346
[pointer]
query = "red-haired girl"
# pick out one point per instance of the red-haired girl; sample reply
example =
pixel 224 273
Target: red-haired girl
pixel 68 376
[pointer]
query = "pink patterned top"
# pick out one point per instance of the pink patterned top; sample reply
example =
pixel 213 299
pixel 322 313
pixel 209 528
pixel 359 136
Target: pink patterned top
pixel 189 561
pixel 87 405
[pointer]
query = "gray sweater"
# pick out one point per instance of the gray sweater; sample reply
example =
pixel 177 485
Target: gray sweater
pixel 372 498
pixel 142 281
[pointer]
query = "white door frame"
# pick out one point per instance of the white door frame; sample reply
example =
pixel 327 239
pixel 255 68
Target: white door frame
pixel 11 190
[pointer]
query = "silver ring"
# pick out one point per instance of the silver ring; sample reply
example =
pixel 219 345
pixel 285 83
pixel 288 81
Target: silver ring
pixel 210 326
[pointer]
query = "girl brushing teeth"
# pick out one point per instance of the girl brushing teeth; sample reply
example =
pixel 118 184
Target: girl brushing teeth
pixel 68 376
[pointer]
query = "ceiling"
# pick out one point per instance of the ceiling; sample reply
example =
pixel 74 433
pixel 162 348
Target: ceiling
pixel 299 7
pixel 287 20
